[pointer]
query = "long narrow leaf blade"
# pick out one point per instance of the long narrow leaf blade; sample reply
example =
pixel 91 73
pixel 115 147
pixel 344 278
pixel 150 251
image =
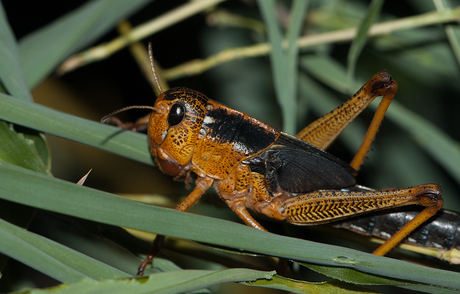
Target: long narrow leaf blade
pixel 185 281
pixel 11 74
pixel 298 12
pixel 129 144
pixel 51 258
pixel 284 92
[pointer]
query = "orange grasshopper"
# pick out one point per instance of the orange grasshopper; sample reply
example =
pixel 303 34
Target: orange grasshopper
pixel 253 165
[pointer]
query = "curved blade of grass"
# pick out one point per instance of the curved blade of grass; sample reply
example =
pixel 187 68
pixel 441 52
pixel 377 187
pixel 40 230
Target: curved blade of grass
pixel 129 144
pixel 296 286
pixel 51 258
pixel 360 40
pixel 37 190
pixel 284 66
pixel 70 33
pixel 185 281
pixel 359 278
pixel 352 276
pixel 278 61
pixel 11 74
pixel 294 30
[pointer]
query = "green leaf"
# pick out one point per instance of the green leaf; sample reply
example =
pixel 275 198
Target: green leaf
pixel 18 150
pixel 129 144
pixel 284 66
pixel 70 33
pixel 359 278
pixel 40 144
pixel 184 281
pixel 51 258
pixel 298 12
pixel 352 276
pixel 296 286
pixel 11 74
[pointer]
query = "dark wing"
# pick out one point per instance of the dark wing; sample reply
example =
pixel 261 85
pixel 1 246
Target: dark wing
pixel 298 167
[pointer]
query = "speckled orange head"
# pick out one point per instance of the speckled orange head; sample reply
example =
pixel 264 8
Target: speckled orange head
pixel 174 128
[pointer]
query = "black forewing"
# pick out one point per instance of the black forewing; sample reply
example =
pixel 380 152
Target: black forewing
pixel 298 167
pixel 233 127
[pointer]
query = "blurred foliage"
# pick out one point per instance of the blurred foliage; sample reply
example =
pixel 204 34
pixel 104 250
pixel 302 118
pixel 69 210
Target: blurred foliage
pixel 417 143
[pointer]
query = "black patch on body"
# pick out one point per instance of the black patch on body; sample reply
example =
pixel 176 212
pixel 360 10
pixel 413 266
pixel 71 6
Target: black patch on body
pixel 233 127
pixel 295 166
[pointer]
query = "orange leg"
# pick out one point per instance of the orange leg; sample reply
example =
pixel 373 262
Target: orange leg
pixel 202 184
pixel 419 219
pixel 240 210
pixel 389 92
pixel 331 205
pixel 322 132
pixel 327 206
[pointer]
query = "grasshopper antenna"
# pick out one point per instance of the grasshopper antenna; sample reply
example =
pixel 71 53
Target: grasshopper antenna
pixel 105 118
pixel 154 71
pixel 109 118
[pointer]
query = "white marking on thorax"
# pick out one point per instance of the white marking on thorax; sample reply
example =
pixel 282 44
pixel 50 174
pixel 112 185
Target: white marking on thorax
pixel 208 120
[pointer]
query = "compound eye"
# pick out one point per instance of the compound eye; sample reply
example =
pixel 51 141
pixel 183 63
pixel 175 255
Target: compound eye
pixel 176 114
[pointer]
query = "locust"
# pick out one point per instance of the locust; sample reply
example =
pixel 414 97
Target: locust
pixel 254 166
